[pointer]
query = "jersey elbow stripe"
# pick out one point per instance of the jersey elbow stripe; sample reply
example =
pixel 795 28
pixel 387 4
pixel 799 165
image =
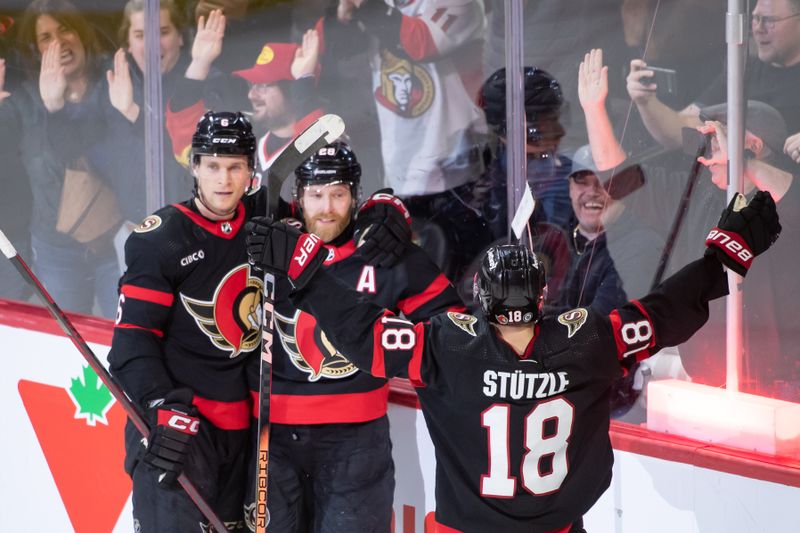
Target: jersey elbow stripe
pixel 148 295
pixel 416 39
pixel 415 364
pixel 412 303
pixel 616 325
pixel 378 368
pixel 157 332
pixel 644 312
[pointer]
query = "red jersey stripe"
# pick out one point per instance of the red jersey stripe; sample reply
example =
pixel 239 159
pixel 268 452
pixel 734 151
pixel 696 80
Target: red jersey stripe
pixel 616 325
pixel 215 227
pixel 416 39
pixel 378 357
pixel 156 332
pixel 329 408
pixel 224 415
pixel 415 364
pixel 148 295
pixel 412 303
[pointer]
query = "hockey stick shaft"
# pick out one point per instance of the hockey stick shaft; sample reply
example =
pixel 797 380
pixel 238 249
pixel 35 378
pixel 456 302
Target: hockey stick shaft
pixel 69 329
pixel 323 131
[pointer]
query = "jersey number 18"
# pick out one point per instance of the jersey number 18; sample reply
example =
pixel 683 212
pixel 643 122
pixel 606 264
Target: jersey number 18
pixel 499 483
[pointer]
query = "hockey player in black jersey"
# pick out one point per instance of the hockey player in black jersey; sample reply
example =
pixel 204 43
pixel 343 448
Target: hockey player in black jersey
pixel 331 467
pixel 517 403
pixel 187 323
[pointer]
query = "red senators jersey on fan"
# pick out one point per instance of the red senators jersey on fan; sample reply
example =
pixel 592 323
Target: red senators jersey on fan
pixel 521 441
pixel 189 311
pixel 312 381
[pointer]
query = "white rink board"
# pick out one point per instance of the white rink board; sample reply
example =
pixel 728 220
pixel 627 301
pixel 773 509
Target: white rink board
pixel 647 494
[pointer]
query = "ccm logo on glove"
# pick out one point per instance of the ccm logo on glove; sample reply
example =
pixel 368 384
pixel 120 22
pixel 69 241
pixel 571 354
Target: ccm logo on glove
pixel 733 244
pixel 183 423
pixel 380 197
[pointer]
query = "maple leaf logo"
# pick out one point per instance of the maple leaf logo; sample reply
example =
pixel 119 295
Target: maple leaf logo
pixel 91 397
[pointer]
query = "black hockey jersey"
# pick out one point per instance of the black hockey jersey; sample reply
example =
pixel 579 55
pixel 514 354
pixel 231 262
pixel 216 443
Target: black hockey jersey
pixel 313 382
pixel 521 443
pixel 189 311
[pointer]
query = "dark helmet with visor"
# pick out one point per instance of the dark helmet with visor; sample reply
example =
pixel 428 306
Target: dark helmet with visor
pixel 510 285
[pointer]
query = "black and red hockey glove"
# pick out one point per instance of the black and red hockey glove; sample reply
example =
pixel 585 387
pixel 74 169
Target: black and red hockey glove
pixel 744 231
pixel 285 250
pixel 383 229
pixel 174 425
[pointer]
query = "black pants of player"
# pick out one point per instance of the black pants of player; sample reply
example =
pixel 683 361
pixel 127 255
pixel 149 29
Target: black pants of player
pixel 216 466
pixel 331 478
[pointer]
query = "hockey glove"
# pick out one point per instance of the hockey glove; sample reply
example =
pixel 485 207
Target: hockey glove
pixel 383 229
pixel 744 231
pixel 174 424
pixel 285 250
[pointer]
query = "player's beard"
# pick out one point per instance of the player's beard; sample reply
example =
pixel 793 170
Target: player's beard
pixel 327 232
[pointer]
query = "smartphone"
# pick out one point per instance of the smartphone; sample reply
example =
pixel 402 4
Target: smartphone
pixel 666 80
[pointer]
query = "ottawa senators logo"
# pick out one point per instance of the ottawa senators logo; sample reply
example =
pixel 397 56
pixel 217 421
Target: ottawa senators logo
pixel 463 321
pixel 232 319
pixel 309 348
pixel 573 320
pixel 406 88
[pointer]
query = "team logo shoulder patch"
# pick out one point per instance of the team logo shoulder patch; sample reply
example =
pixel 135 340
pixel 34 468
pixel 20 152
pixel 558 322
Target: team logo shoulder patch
pixel 573 319
pixel 148 224
pixel 462 321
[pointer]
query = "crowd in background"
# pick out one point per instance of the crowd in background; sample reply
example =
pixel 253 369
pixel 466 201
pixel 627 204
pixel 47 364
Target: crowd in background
pixel 628 168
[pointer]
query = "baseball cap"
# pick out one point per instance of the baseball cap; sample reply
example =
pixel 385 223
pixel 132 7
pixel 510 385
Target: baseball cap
pixel 273 64
pixel 582 160
pixel 619 182
pixel 762 120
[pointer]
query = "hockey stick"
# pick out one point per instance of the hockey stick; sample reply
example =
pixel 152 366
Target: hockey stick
pixel 325 130
pixel 132 411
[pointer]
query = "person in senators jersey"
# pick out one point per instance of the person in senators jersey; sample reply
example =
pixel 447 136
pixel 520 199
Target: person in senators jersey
pixel 517 404
pixel 330 461
pixel 188 324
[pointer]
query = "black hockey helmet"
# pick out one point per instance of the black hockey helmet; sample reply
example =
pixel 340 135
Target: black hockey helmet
pixel 333 163
pixel 222 133
pixel 510 285
pixel 544 103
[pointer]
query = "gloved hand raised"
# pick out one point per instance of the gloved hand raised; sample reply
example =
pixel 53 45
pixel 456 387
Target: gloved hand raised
pixel 282 249
pixel 174 424
pixel 383 229
pixel 744 231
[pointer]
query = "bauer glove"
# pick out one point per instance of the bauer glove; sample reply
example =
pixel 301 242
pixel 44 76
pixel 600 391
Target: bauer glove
pixel 744 231
pixel 281 249
pixel 174 425
pixel 383 229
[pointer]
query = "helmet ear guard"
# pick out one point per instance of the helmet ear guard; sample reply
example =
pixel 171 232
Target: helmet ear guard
pixel 510 285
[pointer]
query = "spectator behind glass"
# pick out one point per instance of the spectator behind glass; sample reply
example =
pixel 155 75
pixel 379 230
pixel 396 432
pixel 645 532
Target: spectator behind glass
pixel 75 213
pixel 546 165
pixel 120 152
pixel 250 23
pixel 424 79
pixel 771 295
pixel 555 35
pixel 282 96
pixel 15 202
pixel 771 77
pixel 771 331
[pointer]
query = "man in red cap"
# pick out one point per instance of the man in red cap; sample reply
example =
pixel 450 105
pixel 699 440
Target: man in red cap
pixel 282 94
